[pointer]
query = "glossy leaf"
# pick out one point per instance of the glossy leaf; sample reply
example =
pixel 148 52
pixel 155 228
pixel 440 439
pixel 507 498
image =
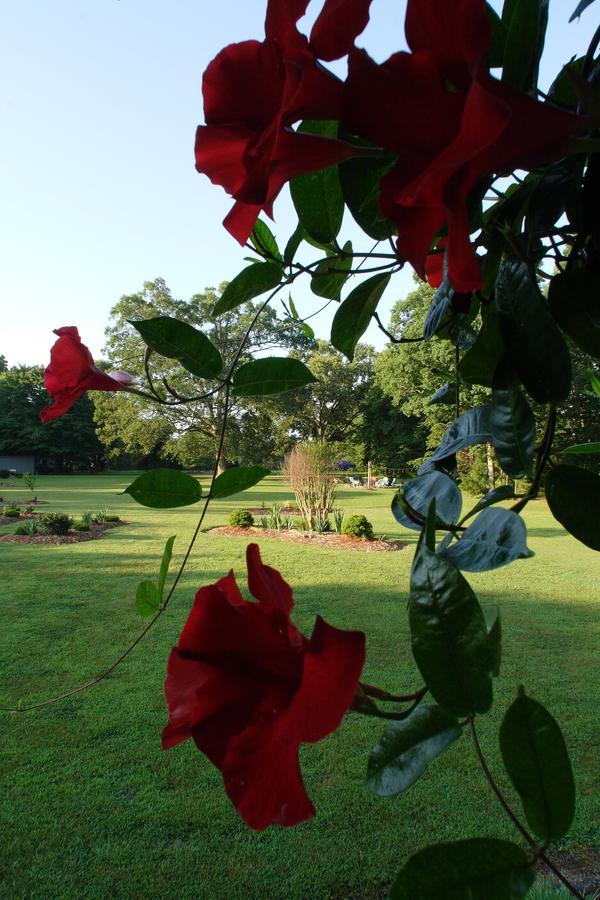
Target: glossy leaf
pixel 448 632
pixel 438 311
pixel 473 427
pixel 537 761
pixel 354 315
pixel 573 495
pixel 445 394
pixel 536 348
pixel 473 869
pixel 164 565
pixel 251 282
pixel 496 537
pixel 165 489
pixel 291 248
pixel 317 197
pixel 583 449
pixel 179 340
pixel 404 515
pixel 147 599
pixel 480 361
pixel 263 241
pixel 555 190
pixel 270 375
pixel 513 431
pixel 574 298
pixel 525 22
pixel 233 481
pixel 494 630
pixel 406 747
pixel 327 283
pixel 360 179
pixel 420 491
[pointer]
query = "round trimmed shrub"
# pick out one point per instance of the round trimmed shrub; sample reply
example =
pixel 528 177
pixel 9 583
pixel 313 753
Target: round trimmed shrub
pixel 357 526
pixel 55 523
pixel 20 529
pixel 112 518
pixel 11 512
pixel 241 518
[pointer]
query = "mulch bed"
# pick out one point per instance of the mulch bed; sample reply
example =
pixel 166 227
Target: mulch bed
pixel 73 537
pixel 313 539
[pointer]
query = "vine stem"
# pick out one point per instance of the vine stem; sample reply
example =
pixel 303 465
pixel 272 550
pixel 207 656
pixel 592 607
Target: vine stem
pixel 539 852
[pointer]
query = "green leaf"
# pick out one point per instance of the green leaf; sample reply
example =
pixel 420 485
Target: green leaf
pixel 537 762
pixel 448 633
pixel 445 394
pixel 420 491
pixel 165 489
pixel 561 91
pixel 263 241
pixel 438 311
pixel 513 431
pixel 328 284
pixel 583 449
pixel 251 282
pixel 494 630
pixel 574 298
pixel 360 179
pixel 271 375
pixel 317 197
pixel 233 481
pixel 308 331
pixel 406 747
pixel 180 341
pixel 292 245
pixel 581 6
pixel 164 565
pixel 555 190
pixel 480 362
pixel 293 309
pixel 473 427
pixel 474 869
pixel 495 56
pixel 147 599
pixel 525 22
pixel 595 383
pixel 496 538
pixel 352 318
pixel 536 348
pixel 573 495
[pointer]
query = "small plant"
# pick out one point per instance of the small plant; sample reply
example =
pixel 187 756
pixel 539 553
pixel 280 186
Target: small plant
pixel 101 516
pixel 338 519
pixel 358 526
pixel 321 522
pixel 112 517
pixel 29 509
pixel 288 522
pixel 82 526
pixel 30 480
pixel 264 521
pixel 55 523
pixel 11 512
pixel 30 527
pixel 20 530
pixel 275 518
pixel 241 518
pixel 86 518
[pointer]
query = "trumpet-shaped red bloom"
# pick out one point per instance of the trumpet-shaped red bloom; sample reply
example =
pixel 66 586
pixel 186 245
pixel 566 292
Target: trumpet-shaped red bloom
pixel 249 688
pixel 72 372
pixel 451 124
pixel 253 92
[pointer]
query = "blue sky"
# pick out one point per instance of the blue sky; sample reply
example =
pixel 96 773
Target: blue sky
pixel 99 103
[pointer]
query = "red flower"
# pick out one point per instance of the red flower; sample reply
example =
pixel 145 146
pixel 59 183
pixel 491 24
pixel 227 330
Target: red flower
pixel 434 264
pixel 253 92
pixel 72 372
pixel 249 689
pixel 337 26
pixel 451 123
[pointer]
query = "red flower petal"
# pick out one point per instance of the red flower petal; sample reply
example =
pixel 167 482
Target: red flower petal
pixel 338 25
pixel 457 34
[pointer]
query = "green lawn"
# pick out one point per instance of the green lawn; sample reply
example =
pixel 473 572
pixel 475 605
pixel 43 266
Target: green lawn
pixel 91 806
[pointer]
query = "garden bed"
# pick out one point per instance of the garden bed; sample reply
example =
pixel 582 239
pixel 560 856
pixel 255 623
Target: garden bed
pixel 96 531
pixel 327 539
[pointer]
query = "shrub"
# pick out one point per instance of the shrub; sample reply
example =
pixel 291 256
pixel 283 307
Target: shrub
pixel 29 528
pixel 312 480
pixel 29 509
pixel 55 523
pixel 86 518
pixel 101 516
pixel 112 517
pixel 358 526
pixel 82 526
pixel 241 518
pixel 11 512
pixel 20 529
pixel 4 474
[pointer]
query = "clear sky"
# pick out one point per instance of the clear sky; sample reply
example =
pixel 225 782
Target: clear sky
pixel 99 102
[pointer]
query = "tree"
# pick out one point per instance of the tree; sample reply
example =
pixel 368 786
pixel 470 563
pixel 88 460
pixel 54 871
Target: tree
pixel 390 438
pixel 187 432
pixel 62 445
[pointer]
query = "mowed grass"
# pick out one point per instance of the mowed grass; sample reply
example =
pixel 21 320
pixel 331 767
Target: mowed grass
pixel 91 806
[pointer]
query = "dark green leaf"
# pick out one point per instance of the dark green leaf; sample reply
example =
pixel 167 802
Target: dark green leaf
pixel 251 282
pixel 561 91
pixel 494 630
pixel 308 331
pixel 271 375
pixel 164 565
pixel 361 179
pixel 573 495
pixel 263 240
pixel 406 747
pixel 352 318
pixel 536 759
pixel 595 383
pixel 536 348
pixel 557 189
pixel 147 599
pixel 583 449
pixel 496 537
pixel 165 489
pixel 474 869
pixel 445 394
pixel 292 245
pixel 574 298
pixel 420 491
pixel 448 633
pixel 495 56
pixel 180 341
pixel 317 197
pixel 513 431
pixel 525 22
pixel 439 309
pixel 404 515
pixel 327 283
pixel 480 362
pixel 473 427
pixel 583 4
pixel 233 481
pixel 495 495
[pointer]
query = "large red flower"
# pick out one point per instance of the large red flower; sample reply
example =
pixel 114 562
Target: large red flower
pixel 452 125
pixel 72 372
pixel 253 92
pixel 249 688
